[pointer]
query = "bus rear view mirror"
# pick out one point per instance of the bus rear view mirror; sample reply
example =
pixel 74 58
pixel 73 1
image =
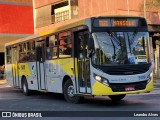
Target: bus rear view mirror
pixel 90 46
pixel 90 43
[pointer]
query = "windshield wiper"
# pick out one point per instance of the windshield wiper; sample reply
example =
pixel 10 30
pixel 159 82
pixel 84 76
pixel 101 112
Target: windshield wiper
pixel 129 42
pixel 134 35
pixel 115 39
pixel 114 47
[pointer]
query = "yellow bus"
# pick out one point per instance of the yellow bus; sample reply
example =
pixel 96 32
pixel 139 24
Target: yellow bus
pixel 95 56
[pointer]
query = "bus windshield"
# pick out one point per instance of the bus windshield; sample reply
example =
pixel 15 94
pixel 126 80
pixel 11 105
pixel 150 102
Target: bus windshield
pixel 113 48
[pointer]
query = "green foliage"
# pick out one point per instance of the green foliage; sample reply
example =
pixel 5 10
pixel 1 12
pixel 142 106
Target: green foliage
pixel 152 5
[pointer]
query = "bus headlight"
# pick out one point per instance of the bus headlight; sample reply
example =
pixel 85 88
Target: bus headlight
pixel 101 80
pixel 150 77
pixel 98 78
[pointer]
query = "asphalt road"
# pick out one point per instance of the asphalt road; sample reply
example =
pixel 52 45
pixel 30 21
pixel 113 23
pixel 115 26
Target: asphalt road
pixel 12 99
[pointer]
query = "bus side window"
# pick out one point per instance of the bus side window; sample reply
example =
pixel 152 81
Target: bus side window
pixel 20 48
pixel 33 56
pixel 33 45
pixel 51 47
pixel 24 47
pixel 31 51
pixel 21 53
pixel 21 57
pixel 65 47
pixel 8 55
pixel 26 51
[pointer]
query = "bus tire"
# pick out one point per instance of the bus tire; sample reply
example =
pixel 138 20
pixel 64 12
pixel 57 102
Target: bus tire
pixel 68 90
pixel 25 86
pixel 117 97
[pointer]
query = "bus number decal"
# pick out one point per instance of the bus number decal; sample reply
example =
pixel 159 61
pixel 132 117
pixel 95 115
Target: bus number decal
pixel 142 77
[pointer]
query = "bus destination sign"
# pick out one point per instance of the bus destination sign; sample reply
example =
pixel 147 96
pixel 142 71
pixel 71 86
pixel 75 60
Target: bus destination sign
pixel 123 23
pixel 103 23
pixel 119 22
pixel 116 23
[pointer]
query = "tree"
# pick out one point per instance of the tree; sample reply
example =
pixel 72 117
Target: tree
pixel 153 5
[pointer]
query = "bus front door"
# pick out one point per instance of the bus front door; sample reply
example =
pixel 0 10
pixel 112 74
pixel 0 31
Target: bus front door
pixel 83 65
pixel 40 58
pixel 15 67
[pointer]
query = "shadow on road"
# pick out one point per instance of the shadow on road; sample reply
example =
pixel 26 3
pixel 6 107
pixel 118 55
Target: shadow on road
pixel 9 94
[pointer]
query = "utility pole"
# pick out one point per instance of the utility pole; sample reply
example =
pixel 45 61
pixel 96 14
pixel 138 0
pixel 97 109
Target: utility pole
pixel 145 8
pixel 128 7
pixel 70 12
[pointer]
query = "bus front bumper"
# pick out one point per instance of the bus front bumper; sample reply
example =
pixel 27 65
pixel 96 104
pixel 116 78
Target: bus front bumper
pixel 101 89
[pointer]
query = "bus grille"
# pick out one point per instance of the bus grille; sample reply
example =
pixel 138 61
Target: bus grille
pixel 125 69
pixel 120 87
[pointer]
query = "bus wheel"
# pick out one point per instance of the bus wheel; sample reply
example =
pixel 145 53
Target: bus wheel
pixel 117 97
pixel 25 86
pixel 68 91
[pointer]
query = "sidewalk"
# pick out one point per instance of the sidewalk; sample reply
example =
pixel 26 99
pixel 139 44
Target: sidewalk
pixel 156 83
pixel 3 83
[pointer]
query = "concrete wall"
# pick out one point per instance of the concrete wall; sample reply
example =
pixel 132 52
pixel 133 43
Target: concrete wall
pixel 16 20
pixel 24 1
pixel 40 3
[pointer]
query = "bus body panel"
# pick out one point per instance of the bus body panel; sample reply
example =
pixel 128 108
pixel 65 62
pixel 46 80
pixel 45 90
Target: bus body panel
pixel 15 75
pixel 56 70
pixel 29 71
pixel 9 75
pixel 100 89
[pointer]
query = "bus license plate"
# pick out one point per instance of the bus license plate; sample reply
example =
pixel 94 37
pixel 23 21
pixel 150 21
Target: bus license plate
pixel 129 88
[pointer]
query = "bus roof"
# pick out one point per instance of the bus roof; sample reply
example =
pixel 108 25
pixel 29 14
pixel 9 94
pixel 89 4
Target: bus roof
pixel 70 25
pixel 44 33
